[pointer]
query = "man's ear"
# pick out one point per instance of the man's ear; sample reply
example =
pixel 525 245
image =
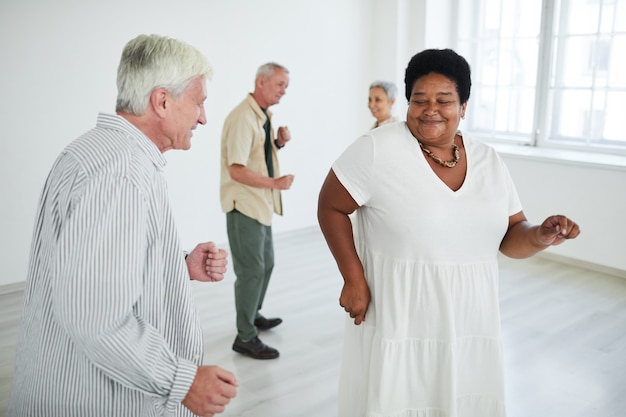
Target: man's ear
pixel 259 81
pixel 159 100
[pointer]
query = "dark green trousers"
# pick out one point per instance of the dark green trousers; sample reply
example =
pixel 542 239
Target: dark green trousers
pixel 252 253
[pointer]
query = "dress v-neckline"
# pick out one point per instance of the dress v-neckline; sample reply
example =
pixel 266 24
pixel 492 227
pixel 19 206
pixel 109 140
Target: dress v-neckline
pixel 432 172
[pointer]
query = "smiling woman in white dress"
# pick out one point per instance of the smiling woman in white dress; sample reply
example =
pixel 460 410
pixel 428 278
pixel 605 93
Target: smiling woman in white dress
pixel 421 284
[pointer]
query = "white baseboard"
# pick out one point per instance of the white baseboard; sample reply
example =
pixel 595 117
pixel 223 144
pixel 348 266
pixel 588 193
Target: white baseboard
pixel 620 273
pixel 11 288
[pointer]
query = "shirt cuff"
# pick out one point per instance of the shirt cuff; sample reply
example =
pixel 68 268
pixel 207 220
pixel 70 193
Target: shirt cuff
pixel 185 374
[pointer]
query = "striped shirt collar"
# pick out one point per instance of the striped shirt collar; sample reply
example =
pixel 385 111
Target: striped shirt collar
pixel 114 121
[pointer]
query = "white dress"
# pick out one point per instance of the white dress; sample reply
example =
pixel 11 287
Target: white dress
pixel 430 345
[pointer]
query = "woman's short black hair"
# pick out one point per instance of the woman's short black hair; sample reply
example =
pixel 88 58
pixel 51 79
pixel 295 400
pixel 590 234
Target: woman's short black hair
pixel 441 61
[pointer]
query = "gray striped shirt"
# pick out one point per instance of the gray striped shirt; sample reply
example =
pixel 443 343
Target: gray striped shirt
pixel 109 326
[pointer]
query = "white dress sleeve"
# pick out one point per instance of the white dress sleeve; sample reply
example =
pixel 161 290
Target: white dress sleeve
pixel 354 167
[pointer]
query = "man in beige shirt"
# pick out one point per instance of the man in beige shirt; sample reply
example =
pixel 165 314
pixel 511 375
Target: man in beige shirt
pixel 250 194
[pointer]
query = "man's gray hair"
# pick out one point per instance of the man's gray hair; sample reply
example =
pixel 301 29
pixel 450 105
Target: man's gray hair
pixel 390 88
pixel 268 69
pixel 151 61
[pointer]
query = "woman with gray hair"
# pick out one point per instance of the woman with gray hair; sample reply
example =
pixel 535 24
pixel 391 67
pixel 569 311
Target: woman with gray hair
pixel 381 99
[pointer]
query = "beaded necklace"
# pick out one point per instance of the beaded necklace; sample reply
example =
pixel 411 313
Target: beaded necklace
pixel 447 164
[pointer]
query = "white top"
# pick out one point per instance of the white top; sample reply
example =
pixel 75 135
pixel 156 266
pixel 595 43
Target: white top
pixel 390 119
pixel 430 344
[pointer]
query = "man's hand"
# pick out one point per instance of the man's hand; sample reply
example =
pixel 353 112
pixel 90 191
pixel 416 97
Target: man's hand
pixel 284 182
pixel 282 136
pixel 207 263
pixel 211 390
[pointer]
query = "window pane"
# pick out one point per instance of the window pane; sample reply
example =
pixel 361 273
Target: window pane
pixel 517 63
pixel 589 116
pixel 481 110
pixel 487 58
pixel 514 110
pixel 491 16
pixel 619 17
pixel 571 114
pixel 607 17
pixel 579 16
pixel 521 18
pixel 617 61
pixel 573 62
pixel 503 109
pixel 615 124
pixel 595 124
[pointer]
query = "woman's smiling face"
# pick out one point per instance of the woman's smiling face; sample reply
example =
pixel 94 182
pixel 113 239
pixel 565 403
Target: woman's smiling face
pixel 435 109
pixel 379 104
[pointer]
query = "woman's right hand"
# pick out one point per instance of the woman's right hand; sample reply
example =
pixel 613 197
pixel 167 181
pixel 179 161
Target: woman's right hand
pixel 355 299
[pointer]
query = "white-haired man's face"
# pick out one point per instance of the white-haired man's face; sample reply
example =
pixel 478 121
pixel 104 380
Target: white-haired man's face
pixel 184 115
pixel 270 90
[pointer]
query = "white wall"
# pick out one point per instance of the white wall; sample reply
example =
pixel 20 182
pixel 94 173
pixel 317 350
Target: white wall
pixel 59 62
pixel 592 195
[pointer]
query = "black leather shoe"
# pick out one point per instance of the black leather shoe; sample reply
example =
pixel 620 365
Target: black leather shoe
pixel 254 348
pixel 262 323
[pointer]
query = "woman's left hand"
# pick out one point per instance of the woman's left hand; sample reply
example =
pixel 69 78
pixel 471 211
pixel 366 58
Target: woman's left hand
pixel 557 229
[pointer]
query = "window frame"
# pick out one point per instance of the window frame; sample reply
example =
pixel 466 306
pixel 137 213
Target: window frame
pixel 544 112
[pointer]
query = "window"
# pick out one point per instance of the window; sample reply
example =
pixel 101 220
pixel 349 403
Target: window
pixel 549 73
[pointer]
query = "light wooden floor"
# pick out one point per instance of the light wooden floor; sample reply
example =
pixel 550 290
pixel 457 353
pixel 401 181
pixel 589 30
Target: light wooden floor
pixel 564 330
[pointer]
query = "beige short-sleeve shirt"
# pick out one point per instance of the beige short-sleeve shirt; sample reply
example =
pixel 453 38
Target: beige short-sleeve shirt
pixel 243 140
